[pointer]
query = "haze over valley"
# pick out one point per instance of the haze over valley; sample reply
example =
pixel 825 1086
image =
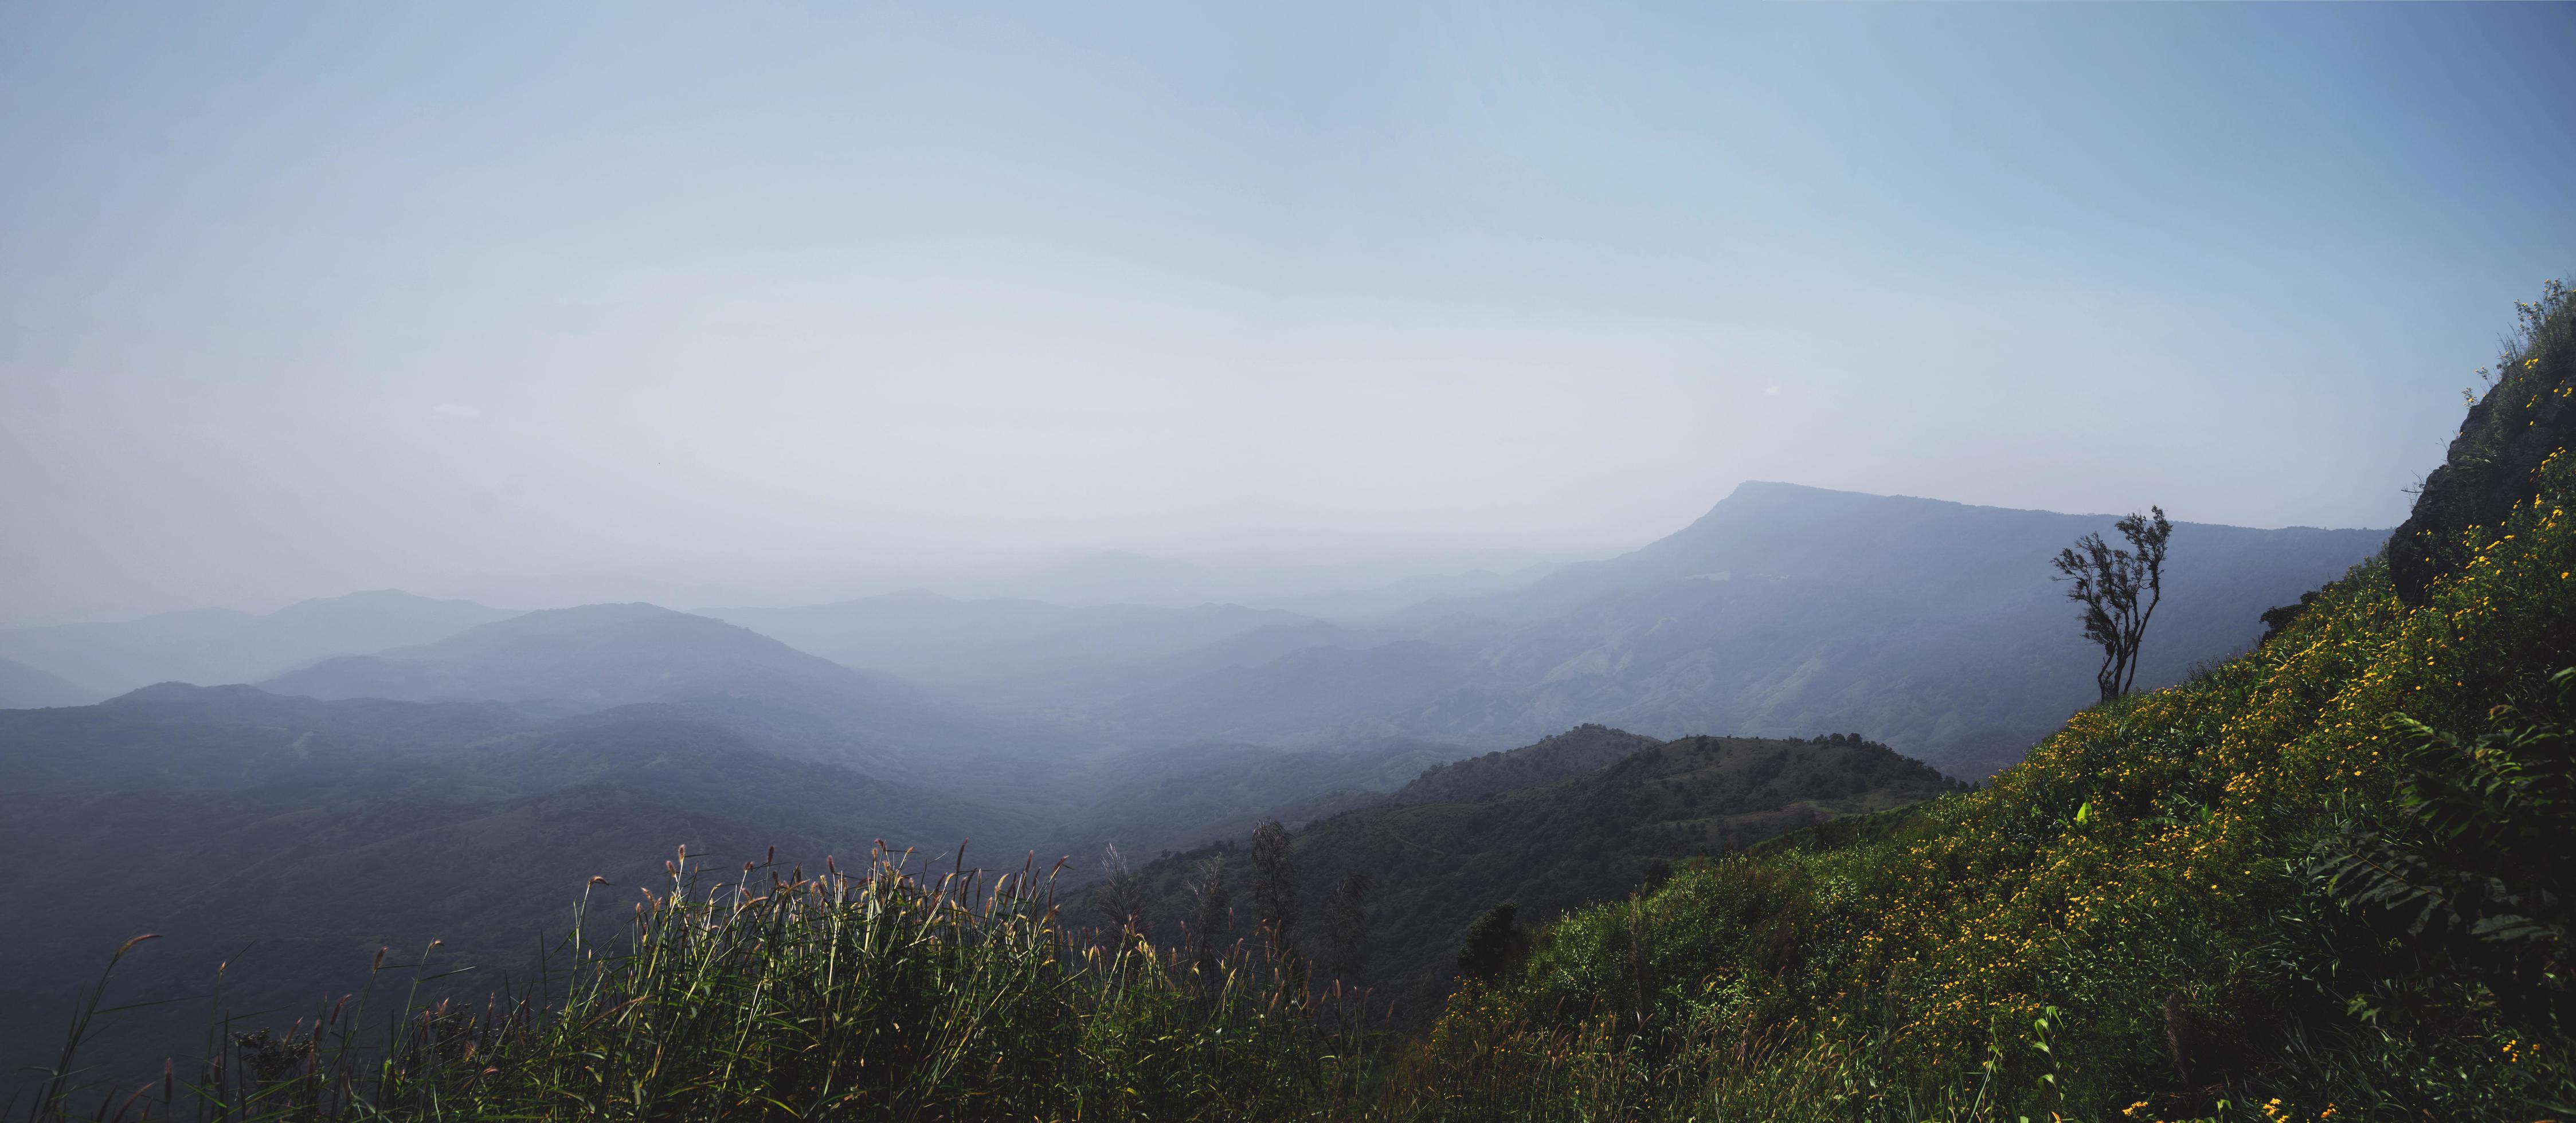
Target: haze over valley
pixel 421 740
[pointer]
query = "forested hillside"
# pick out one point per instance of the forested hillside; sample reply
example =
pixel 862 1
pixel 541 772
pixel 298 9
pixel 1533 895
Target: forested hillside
pixel 1431 869
pixel 1585 748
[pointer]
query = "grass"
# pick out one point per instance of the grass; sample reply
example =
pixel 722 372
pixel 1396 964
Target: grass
pixel 882 993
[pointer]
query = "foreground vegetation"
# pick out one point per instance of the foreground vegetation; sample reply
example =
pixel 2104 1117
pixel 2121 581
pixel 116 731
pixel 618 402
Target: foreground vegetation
pixel 885 992
pixel 1428 869
pixel 2329 879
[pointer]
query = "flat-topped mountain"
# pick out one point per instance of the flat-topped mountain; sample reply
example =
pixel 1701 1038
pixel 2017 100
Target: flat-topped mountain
pixel 1931 626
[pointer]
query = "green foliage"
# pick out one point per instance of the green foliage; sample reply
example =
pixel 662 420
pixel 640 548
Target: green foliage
pixel 1493 944
pixel 880 993
pixel 2526 416
pixel 2476 869
pixel 1435 867
pixel 2119 590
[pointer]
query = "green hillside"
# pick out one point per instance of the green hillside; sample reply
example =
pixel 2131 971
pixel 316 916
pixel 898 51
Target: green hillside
pixel 1434 868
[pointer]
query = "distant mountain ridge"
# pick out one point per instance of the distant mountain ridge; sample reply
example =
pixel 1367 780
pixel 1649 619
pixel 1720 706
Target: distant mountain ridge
pixel 215 645
pixel 932 639
pixel 604 653
pixel 627 655
pixel 26 688
pixel 1932 626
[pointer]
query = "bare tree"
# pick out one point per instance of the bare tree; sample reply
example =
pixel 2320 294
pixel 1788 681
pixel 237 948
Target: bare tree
pixel 2119 590
pixel 1120 899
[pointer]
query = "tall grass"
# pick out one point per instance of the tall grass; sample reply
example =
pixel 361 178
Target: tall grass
pixel 879 993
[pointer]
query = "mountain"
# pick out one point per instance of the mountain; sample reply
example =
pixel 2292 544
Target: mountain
pixel 217 645
pixel 25 688
pixel 294 836
pixel 935 640
pixel 1437 866
pixel 616 655
pixel 1582 749
pixel 1928 625
pixel 607 654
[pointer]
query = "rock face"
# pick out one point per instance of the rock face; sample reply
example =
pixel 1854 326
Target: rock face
pixel 2524 419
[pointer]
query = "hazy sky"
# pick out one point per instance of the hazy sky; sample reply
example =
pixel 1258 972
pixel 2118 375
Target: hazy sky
pixel 302 299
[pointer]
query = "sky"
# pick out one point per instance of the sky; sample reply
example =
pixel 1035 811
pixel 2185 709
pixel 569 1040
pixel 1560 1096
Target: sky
pixel 301 299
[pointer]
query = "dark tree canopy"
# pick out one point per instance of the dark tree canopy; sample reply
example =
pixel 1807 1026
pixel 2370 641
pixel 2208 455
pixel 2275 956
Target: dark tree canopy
pixel 1346 929
pixel 1493 943
pixel 2119 589
pixel 1274 884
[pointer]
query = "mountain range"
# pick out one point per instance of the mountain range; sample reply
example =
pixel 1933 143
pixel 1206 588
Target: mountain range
pixel 405 769
pixel 1927 625
pixel 217 645
pixel 25 688
pixel 756 688
pixel 1931 626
